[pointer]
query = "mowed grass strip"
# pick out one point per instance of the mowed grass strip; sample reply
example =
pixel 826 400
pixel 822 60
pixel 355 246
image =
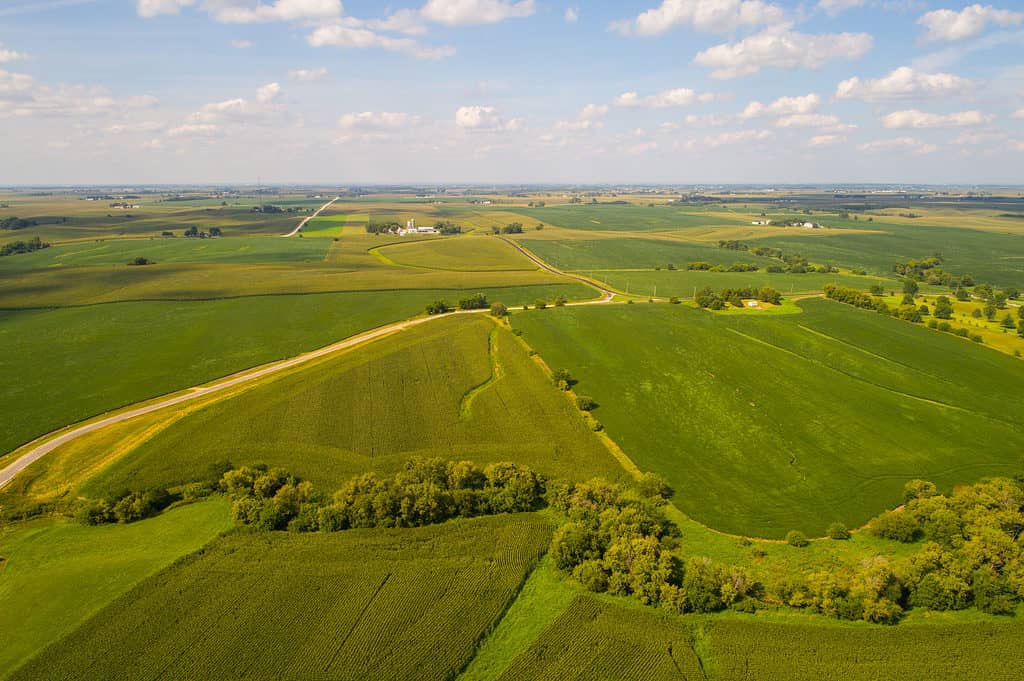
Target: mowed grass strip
pixel 767 424
pixel 467 254
pixel 59 573
pixel 405 395
pixel 361 604
pixel 65 365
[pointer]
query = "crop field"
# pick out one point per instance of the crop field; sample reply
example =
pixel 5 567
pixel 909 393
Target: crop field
pixel 767 424
pixel 632 253
pixel 751 649
pixel 171 250
pixel 683 283
pixel 627 217
pixel 458 388
pixel 326 225
pixel 362 604
pixel 466 254
pixel 59 573
pixel 88 360
pixel 597 640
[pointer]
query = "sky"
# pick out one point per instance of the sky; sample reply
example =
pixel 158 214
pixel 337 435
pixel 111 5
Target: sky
pixel 511 91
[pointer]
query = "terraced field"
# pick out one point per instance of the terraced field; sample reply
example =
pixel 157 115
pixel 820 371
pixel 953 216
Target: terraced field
pixel 763 425
pixel 362 604
pixel 456 388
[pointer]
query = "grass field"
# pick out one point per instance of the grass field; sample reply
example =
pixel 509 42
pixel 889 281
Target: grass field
pixel 171 250
pixel 457 388
pixel 373 604
pixel 632 253
pixel 59 573
pixel 626 217
pixel 766 424
pixel 329 225
pixel 467 254
pixel 681 283
pixel 65 365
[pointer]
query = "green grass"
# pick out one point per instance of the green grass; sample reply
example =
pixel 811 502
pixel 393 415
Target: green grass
pixel 65 365
pixel 362 604
pixel 330 225
pixel 593 639
pixel 59 573
pixel 460 254
pixel 625 218
pixel 682 283
pixel 171 250
pixel 630 253
pixel 766 424
pixel 458 388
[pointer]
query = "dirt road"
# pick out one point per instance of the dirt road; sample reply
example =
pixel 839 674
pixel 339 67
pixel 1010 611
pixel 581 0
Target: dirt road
pixel 303 223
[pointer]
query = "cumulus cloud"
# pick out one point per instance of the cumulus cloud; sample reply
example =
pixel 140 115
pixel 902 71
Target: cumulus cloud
pixel 808 120
pixel 483 118
pixel 951 25
pixel 590 117
pixel 908 144
pixel 378 120
pixel 782 49
pixel 902 83
pixel 825 140
pixel 354 37
pixel 194 130
pixel 834 7
pixel 666 98
pixel 736 137
pixel 470 12
pixel 1018 114
pixel 153 8
pixel 709 121
pixel 572 15
pixel 268 93
pixel 783 106
pixel 912 118
pixel 407 21
pixel 279 10
pixel 8 56
pixel 21 96
pixel 14 83
pixel 308 75
pixel 713 16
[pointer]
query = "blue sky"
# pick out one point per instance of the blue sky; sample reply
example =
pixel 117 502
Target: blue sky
pixel 673 91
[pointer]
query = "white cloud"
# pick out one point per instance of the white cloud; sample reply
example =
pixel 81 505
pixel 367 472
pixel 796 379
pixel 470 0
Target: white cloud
pixel 588 118
pixel 378 120
pixel 127 128
pixel 834 7
pixel 8 56
pixel 808 120
pixel 572 15
pixel 308 75
pixel 241 44
pixel 483 118
pixel 641 148
pixel 783 106
pixel 736 137
pixel 709 121
pixel 351 37
pixel 713 16
pixel 782 49
pixel 913 118
pixel 21 96
pixel 950 25
pixel 1018 114
pixel 407 21
pixel 279 10
pixel 470 12
pixel 904 82
pixel 667 98
pixel 152 8
pixel 14 83
pixel 825 140
pixel 268 93
pixel 898 144
pixel 194 130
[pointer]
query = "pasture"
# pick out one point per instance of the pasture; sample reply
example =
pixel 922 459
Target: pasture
pixel 767 424
pixel 59 573
pixel 458 388
pixel 65 365
pixel 361 604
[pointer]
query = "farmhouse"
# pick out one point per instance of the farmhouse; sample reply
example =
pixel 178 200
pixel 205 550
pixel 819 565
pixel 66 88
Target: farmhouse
pixel 761 222
pixel 411 228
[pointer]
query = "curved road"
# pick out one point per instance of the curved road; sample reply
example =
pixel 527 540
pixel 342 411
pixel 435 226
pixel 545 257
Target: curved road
pixel 8 473
pixel 303 223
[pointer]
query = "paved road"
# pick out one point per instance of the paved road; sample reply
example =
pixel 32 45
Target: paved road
pixel 303 223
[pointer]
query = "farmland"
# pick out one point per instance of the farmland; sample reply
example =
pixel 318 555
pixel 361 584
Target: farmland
pixel 737 411
pixel 275 604
pixel 681 283
pixel 632 253
pixel 456 388
pixel 464 254
pixel 628 217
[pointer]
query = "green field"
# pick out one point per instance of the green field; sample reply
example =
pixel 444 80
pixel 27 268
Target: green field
pixel 459 388
pixel 330 225
pixel 65 365
pixel 171 250
pixel 767 424
pixel 682 284
pixel 465 254
pixel 627 217
pixel 59 573
pixel 632 253
pixel 361 604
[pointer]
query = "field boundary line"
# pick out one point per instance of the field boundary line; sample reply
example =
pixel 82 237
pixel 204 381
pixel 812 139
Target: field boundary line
pixel 302 224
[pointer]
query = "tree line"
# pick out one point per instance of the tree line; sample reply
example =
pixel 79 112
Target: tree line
pixel 708 298
pixel 15 247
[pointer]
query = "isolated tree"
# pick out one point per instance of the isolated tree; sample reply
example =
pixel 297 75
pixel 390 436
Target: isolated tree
pixel 797 538
pixel 910 287
pixel 1008 322
pixel 990 310
pixel 559 375
pixel 838 531
pixel 943 308
pixel 584 403
pixel 499 310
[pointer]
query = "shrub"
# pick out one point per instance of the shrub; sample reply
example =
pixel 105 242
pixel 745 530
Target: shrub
pixel 653 485
pixel 838 531
pixel 499 310
pixel 896 525
pixel 797 538
pixel 584 403
pixel 477 301
pixel 438 307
